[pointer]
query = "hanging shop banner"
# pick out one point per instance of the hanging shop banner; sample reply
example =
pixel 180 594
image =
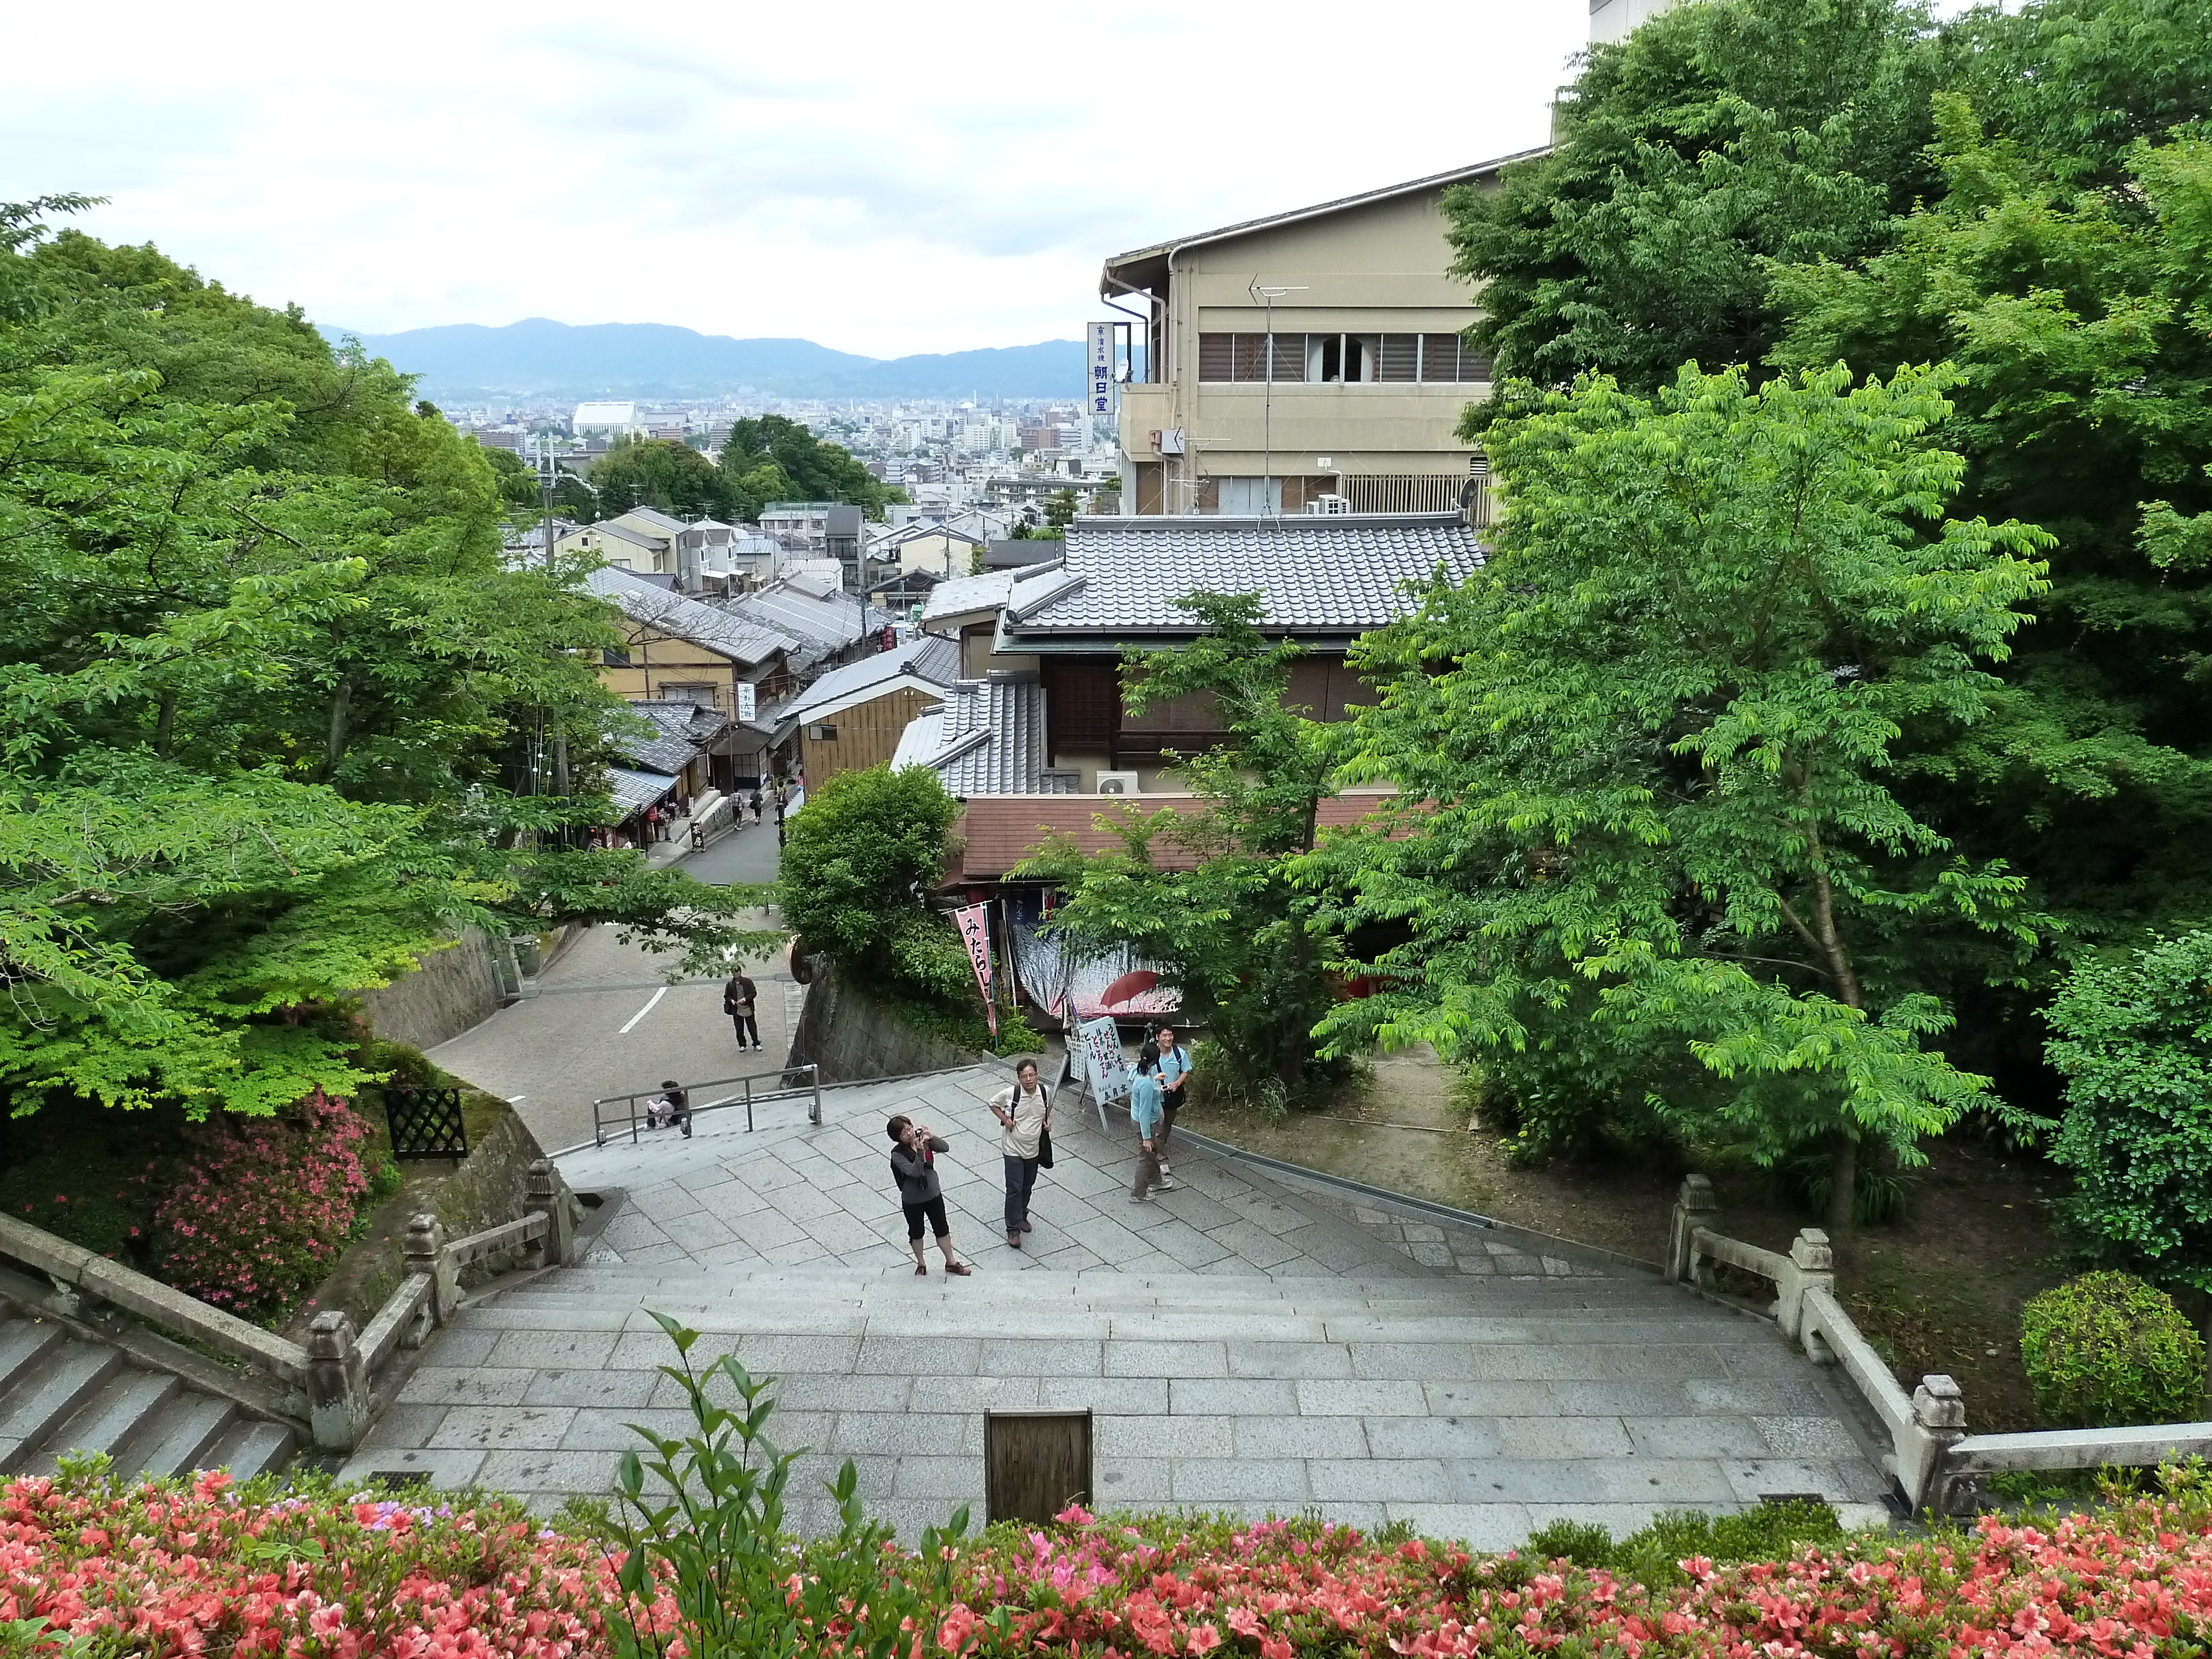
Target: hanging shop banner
pixel 748 701
pixel 1102 368
pixel 1102 1059
pixel 975 926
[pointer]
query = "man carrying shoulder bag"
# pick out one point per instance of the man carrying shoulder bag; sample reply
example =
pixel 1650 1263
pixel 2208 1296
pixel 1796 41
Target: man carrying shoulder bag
pixel 740 997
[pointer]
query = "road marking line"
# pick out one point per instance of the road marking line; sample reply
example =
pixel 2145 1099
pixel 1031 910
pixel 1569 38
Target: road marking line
pixel 651 1004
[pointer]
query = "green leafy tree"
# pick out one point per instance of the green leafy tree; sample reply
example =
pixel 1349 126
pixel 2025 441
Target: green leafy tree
pixel 661 473
pixel 1247 949
pixel 273 713
pixel 861 864
pixel 810 468
pixel 2072 287
pixel 1646 760
pixel 2129 1036
pixel 1717 138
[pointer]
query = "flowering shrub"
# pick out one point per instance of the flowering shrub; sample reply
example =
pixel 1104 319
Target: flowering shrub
pixel 174 1569
pixel 258 1210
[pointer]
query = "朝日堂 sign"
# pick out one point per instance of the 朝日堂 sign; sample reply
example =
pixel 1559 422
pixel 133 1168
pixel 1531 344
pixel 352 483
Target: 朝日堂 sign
pixel 975 925
pixel 748 701
pixel 1102 368
pixel 1103 1062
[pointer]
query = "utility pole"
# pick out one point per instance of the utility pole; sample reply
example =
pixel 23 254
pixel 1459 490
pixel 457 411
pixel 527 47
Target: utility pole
pixel 545 506
pixel 1268 398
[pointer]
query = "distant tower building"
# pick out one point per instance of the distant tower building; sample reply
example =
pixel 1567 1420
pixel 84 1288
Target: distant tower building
pixel 1612 21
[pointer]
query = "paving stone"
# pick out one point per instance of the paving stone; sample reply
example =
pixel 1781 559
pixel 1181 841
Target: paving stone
pixel 1302 1437
pixel 434 1385
pixel 601 1428
pixel 1166 1360
pixel 940 1478
pixel 1479 1526
pixel 447 1470
pixel 404 1425
pixel 1271 1397
pixel 1128 1482
pixel 1324 1398
pixel 922 1356
pixel 1014 1357
pixel 1563 1436
pixel 553 1350
pixel 1165 1437
pixel 977 1394
pixel 1697 1436
pixel 495 1428
pixel 779 1354
pixel 1750 1480
pixel 1120 1395
pixel 1415 1479
pixel 1289 1359
pixel 1435 1436
pixel 590 1472
pixel 1816 1438
pixel 1280 1481
pixel 633 1389
pixel 903 1434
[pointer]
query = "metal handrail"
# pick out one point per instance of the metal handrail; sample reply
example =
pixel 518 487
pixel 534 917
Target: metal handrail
pixel 601 1121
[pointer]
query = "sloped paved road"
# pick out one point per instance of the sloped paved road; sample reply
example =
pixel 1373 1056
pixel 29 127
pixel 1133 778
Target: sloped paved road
pixel 1241 1345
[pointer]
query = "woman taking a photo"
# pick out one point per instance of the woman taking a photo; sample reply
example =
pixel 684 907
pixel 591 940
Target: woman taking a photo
pixel 914 1167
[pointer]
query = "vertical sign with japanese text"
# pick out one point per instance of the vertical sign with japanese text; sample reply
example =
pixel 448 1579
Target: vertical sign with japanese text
pixel 748 701
pixel 1102 368
pixel 1101 1042
pixel 975 926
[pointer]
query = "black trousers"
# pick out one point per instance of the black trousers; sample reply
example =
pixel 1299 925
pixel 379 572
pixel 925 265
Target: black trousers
pixel 748 1030
pixel 934 1209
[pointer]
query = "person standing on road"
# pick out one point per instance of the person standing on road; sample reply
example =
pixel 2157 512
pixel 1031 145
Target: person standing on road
pixel 914 1167
pixel 1024 1113
pixel 1173 1066
pixel 756 802
pixel 741 1002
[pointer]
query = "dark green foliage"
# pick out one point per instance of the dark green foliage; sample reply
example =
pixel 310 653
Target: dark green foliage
pixel 2106 1349
pixel 1766 1532
pixel 661 473
pixel 2132 1036
pixel 773 458
pixel 1717 137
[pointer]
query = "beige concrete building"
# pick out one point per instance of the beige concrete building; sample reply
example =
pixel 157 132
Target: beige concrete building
pixel 1349 404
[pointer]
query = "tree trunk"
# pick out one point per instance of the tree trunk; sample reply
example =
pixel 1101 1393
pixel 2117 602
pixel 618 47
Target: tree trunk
pixel 165 723
pixel 1843 1185
pixel 340 718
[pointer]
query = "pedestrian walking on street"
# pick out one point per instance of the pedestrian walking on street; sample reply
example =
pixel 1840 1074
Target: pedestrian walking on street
pixel 1024 1115
pixel 915 1147
pixel 1171 1063
pixel 741 1002
pixel 1145 1112
pixel 757 803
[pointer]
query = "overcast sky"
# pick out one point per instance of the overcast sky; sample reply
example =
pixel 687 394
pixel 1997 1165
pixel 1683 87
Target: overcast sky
pixel 881 178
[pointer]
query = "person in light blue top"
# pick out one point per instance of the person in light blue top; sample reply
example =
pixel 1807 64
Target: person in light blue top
pixel 1145 1111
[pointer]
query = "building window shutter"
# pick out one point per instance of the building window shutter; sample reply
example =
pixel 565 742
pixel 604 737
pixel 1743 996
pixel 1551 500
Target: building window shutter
pixel 1290 357
pixel 1440 356
pixel 1251 356
pixel 1216 357
pixel 1401 357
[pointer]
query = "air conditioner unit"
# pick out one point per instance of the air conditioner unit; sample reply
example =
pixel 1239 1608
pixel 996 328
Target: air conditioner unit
pixel 1322 505
pixel 1118 783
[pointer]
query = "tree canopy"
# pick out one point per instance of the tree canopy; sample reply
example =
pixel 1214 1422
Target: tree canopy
pixel 773 458
pixel 274 719
pixel 1647 760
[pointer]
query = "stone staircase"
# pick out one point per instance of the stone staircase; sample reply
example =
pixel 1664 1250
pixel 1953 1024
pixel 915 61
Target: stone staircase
pixel 60 1393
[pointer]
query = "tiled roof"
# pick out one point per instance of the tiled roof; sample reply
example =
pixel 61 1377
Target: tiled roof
pixel 654 520
pixel 925 661
pixel 635 790
pixel 987 738
pixel 680 730
pixel 964 594
pixel 807 608
pixel 736 637
pixel 1000 832
pixel 1338 575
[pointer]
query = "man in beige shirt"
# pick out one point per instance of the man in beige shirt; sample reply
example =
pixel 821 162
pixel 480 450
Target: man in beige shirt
pixel 1024 1115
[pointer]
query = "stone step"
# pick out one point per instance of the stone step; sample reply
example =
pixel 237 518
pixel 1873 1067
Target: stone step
pixel 179 1437
pixel 110 1419
pixel 250 1448
pixel 48 1395
pixel 23 1344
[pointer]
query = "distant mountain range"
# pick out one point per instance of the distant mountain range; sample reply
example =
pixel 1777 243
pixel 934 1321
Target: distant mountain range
pixel 470 362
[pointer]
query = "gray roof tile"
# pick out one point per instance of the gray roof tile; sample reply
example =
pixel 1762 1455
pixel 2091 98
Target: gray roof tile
pixel 739 638
pixel 1340 574
pixel 987 738
pixel 924 658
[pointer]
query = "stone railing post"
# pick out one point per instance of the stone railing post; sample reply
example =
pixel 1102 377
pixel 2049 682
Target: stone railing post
pixel 426 1254
pixel 548 1195
pixel 1811 1263
pixel 338 1383
pixel 1939 1423
pixel 1695 1206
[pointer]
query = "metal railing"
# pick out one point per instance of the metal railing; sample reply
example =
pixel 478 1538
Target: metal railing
pixel 626 1113
pixel 1936 1464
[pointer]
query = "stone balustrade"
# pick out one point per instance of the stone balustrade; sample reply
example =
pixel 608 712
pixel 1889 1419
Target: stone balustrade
pixel 330 1384
pixel 1936 1464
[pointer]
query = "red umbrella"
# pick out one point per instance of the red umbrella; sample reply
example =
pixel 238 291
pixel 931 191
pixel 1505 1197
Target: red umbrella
pixel 1134 983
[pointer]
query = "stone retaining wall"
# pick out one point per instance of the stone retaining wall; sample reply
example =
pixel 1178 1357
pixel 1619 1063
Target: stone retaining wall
pixel 854 1034
pixel 453 989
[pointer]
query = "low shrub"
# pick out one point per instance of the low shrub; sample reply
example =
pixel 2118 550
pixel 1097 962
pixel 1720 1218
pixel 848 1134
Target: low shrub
pixel 2107 1349
pixel 103 1208
pixel 1653 1557
pixel 256 1211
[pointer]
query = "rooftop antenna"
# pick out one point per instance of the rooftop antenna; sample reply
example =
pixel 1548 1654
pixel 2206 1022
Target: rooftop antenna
pixel 1268 296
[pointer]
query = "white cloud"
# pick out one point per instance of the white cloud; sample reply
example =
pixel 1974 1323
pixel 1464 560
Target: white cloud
pixel 882 178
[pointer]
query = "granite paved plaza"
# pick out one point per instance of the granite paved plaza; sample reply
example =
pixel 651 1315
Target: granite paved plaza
pixel 1247 1343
